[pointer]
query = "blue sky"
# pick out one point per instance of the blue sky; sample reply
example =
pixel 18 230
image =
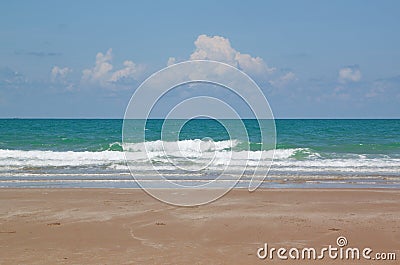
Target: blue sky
pixel 312 59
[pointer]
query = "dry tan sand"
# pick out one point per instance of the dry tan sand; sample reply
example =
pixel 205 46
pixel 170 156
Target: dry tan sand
pixel 116 226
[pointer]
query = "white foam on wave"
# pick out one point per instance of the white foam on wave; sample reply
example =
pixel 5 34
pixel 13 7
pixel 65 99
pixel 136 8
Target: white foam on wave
pixel 195 145
pixel 192 153
pixel 278 154
pixel 51 158
pixel 372 165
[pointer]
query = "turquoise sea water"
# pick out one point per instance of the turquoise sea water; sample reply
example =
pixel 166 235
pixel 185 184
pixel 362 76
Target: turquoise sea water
pixel 89 153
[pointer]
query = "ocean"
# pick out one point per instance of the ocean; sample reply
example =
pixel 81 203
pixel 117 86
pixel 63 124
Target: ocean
pixel 319 153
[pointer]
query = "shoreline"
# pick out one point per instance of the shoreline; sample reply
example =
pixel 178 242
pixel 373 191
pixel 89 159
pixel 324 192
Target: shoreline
pixel 127 226
pixel 245 188
pixel 241 185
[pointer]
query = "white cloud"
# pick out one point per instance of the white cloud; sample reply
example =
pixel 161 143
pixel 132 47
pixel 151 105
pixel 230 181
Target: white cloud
pixel 130 71
pixel 214 48
pixel 219 49
pixel 102 73
pixel 58 73
pixel 171 60
pixel 254 65
pixel 283 80
pixel 101 70
pixel 349 74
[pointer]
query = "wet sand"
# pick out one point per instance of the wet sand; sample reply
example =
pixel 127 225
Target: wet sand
pixel 119 226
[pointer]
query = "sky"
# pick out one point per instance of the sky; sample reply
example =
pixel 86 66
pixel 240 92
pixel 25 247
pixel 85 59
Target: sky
pixel 311 59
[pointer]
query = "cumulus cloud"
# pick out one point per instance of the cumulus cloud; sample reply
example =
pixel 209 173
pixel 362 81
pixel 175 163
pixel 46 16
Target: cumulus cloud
pixel 283 80
pixel 101 70
pixel 219 49
pixel 349 74
pixel 171 60
pixel 130 71
pixel 58 73
pixel 101 73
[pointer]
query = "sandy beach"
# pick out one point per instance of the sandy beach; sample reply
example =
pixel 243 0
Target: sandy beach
pixel 120 226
